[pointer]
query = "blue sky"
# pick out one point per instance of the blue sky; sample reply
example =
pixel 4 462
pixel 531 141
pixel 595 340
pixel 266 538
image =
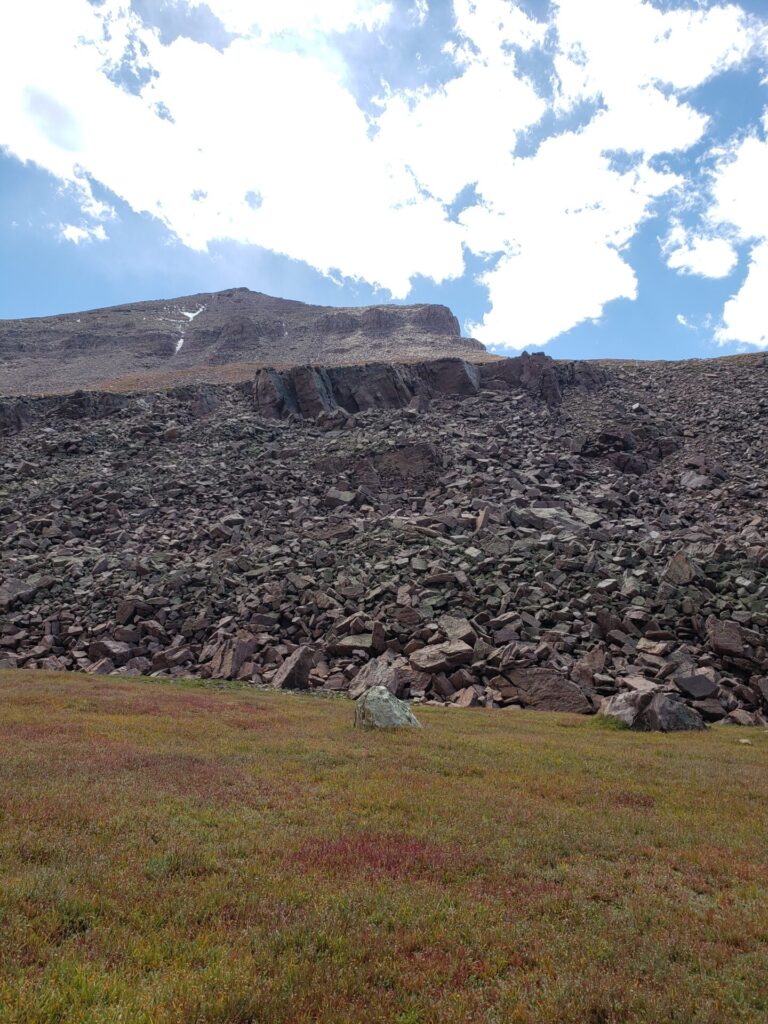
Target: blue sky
pixel 584 176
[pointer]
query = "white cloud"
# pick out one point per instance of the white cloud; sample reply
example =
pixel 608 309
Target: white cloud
pixel 745 316
pixel 609 49
pixel 692 253
pixel 447 136
pixel 738 206
pixel 491 27
pixel 563 217
pixel 253 118
pixel 78 235
pixel 739 188
pixel 273 115
pixel 563 235
pixel 420 11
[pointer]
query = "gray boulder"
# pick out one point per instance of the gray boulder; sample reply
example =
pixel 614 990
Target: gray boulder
pixel 625 706
pixel 379 709
pixel 665 714
pixel 652 712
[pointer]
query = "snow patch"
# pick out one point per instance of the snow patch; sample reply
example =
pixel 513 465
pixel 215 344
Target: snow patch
pixel 179 343
pixel 191 316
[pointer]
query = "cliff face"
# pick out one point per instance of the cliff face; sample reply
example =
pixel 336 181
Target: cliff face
pixel 210 331
pixel 312 391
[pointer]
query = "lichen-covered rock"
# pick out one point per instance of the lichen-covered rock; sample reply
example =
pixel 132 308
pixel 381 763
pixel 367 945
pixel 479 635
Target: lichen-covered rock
pixel 625 707
pixel 379 709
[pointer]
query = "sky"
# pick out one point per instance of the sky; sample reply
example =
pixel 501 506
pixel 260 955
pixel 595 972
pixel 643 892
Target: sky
pixel 586 177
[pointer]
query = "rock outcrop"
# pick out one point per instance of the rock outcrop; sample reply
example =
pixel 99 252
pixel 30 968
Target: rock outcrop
pixel 312 391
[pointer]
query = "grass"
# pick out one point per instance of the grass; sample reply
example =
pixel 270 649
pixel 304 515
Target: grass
pixel 172 854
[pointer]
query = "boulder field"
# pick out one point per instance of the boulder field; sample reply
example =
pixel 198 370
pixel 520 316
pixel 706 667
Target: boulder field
pixel 521 533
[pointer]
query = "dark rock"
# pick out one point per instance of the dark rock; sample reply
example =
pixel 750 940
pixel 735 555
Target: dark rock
pixel 293 674
pixel 697 686
pixel 117 651
pixel 544 690
pixel 665 714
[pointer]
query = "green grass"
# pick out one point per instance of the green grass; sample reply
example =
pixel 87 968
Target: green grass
pixel 180 855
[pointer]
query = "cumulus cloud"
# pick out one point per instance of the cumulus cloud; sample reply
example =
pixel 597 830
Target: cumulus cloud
pixel 737 205
pixel 745 316
pixel 251 119
pixel 553 125
pixel 78 235
pixel 562 236
pixel 564 216
pixel 691 253
pixel 738 201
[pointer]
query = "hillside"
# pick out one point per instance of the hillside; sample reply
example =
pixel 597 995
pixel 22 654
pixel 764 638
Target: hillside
pixel 521 533
pixel 214 336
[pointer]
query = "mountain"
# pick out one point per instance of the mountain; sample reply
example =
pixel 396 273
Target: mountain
pixel 216 336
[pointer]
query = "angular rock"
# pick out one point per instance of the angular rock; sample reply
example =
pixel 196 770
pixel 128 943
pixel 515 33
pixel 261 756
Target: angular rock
pixel 680 570
pixel 379 709
pixel 378 672
pixel 544 690
pixel 293 674
pixel 442 657
pixel 665 714
pixel 626 707
pixel 116 650
pixel 697 686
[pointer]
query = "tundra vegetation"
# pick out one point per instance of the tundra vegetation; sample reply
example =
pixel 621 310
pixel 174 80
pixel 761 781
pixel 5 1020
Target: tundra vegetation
pixel 190 854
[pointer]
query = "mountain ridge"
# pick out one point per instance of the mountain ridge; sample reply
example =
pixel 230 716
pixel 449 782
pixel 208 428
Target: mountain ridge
pixel 202 333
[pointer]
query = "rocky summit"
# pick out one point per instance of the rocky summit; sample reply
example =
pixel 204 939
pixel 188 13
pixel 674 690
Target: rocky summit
pixel 521 533
pixel 214 336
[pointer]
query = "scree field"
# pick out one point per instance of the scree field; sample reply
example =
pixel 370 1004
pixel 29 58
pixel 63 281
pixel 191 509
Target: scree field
pixel 173 854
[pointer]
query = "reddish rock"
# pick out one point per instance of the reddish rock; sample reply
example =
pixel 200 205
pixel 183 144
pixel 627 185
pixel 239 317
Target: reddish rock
pixel 293 674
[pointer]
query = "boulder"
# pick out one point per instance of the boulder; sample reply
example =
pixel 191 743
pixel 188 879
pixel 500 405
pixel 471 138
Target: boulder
pixel 456 628
pixel 116 650
pixel 666 714
pixel 229 657
pixel 696 685
pixel 625 707
pixel 680 570
pixel 293 674
pixel 442 657
pixel 725 637
pixel 379 672
pixel 545 690
pixel 380 709
pixel 466 698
